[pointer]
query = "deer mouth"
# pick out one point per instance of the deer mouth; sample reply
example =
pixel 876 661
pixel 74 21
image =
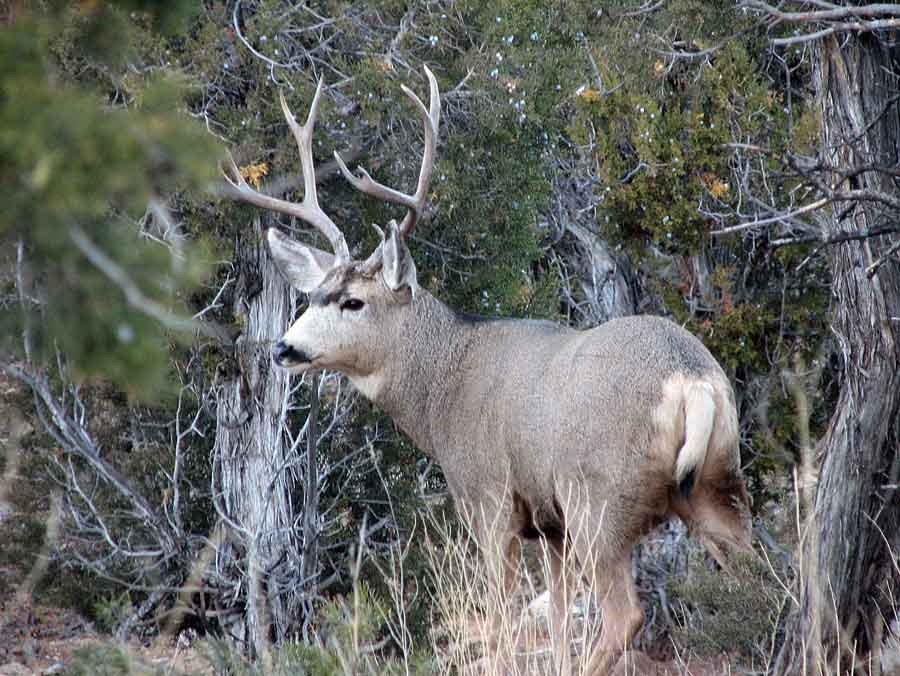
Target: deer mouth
pixel 289 357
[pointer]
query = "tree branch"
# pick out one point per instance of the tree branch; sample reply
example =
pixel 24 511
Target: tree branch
pixel 133 294
pixel 770 221
pixel 840 19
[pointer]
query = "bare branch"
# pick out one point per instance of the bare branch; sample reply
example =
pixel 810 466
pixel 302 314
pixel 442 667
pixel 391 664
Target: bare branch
pixel 237 30
pixel 75 439
pixel 855 235
pixel 839 19
pixel 647 8
pixel 873 269
pixel 771 221
pixel 133 293
pixel 872 10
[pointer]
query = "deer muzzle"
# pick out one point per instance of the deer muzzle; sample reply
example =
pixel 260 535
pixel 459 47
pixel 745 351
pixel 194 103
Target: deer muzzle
pixel 287 355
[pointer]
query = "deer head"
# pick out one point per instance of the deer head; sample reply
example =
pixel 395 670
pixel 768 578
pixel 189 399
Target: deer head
pixel 351 303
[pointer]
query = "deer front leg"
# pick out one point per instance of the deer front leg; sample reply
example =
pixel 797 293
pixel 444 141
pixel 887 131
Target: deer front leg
pixel 498 540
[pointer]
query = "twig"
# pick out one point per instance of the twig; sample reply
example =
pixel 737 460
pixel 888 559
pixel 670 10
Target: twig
pixel 133 294
pixel 246 43
pixel 774 219
pixel 865 233
pixel 873 269
pixel 867 17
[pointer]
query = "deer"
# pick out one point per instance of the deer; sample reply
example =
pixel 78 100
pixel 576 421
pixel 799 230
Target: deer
pixel 582 439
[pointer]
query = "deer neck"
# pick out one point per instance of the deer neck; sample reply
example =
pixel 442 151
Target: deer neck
pixel 421 378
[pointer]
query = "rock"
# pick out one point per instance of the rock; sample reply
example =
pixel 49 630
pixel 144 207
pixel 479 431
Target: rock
pixel 539 607
pixel 7 511
pixel 14 669
pixel 57 668
pixel 890 652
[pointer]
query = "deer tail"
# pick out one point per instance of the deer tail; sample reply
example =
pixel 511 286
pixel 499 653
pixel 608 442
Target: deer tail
pixel 699 417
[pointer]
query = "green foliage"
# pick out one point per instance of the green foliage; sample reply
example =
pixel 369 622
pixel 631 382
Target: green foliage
pixel 22 538
pixel 728 613
pixel 740 336
pixel 67 586
pixel 663 150
pixel 78 178
pixel 105 660
pixel 110 612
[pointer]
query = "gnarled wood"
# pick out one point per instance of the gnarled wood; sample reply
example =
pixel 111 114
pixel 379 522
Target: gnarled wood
pixel 250 451
pixel 857 509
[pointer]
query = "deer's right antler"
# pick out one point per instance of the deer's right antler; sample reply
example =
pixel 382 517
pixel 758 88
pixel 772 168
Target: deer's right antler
pixel 308 210
pixel 414 203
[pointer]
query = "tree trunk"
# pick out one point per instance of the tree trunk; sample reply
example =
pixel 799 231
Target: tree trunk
pixel 255 476
pixel 854 531
pixel 605 282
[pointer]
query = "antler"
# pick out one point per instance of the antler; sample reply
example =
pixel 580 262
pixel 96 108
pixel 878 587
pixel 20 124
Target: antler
pixel 415 203
pixel 309 209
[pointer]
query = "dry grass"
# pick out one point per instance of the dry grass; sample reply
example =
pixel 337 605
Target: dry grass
pixel 471 613
pixel 481 629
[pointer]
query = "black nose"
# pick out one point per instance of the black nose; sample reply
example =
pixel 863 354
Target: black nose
pixel 286 355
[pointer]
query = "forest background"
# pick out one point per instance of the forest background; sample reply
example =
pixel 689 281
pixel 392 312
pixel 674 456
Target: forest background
pixel 732 166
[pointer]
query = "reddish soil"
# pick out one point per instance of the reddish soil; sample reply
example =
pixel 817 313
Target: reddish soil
pixel 37 637
pixel 43 640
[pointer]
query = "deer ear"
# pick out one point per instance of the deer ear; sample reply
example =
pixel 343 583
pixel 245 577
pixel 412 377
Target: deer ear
pixel 304 266
pixel 397 266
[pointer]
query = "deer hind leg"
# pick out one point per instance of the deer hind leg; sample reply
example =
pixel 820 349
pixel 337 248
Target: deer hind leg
pixel 601 541
pixel 622 616
pixel 560 586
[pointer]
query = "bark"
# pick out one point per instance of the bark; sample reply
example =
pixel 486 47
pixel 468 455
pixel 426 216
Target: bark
pixel 597 284
pixel 854 530
pixel 604 280
pixel 311 496
pixel 252 453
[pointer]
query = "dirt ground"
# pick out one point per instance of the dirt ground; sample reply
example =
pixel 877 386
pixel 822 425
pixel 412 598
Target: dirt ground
pixel 38 640
pixel 44 640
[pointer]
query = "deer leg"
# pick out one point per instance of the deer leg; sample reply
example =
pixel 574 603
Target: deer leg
pixel 602 532
pixel 502 557
pixel 494 526
pixel 622 616
pixel 559 585
pixel 504 569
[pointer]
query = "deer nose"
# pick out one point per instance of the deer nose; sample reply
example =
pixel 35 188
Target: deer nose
pixel 286 355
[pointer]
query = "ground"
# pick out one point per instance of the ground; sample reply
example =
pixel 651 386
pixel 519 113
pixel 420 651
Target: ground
pixel 36 639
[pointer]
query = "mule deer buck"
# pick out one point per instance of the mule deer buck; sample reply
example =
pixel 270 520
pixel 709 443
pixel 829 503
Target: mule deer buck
pixel 585 439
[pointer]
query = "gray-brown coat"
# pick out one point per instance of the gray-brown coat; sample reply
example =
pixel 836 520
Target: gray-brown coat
pixel 586 439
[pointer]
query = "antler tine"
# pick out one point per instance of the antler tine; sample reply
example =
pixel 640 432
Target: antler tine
pixel 415 203
pixel 308 210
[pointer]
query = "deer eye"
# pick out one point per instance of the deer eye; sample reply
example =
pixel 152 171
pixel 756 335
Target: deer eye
pixel 352 304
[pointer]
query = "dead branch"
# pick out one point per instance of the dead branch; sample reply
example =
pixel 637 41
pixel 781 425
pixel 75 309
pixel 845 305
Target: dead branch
pixel 854 18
